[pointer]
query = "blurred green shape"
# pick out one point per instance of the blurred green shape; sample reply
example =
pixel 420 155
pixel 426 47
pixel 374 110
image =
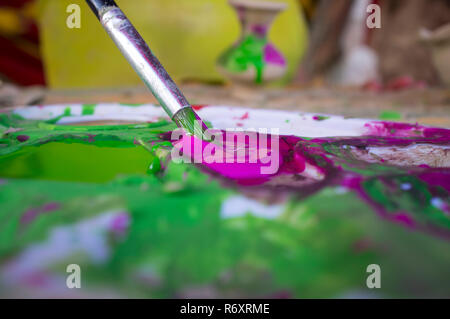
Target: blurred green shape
pixel 390 115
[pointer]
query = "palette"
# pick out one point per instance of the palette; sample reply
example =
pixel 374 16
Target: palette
pixel 349 193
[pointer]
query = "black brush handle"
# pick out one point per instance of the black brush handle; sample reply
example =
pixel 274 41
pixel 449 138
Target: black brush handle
pixel 98 5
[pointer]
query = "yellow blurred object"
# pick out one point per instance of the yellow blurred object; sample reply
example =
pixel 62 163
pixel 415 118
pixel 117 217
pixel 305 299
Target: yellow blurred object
pixel 186 35
pixel 10 23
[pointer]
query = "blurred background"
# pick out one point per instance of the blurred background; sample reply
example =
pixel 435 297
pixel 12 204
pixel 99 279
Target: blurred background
pixel 323 43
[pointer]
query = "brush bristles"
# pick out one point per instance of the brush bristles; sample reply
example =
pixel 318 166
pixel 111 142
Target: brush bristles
pixel 187 119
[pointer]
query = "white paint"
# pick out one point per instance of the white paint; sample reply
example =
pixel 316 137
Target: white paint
pixel 237 206
pixel 221 117
pixel 406 186
pixel 438 203
pixel 87 237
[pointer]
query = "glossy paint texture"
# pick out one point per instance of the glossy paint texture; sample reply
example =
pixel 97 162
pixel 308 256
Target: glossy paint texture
pixel 335 206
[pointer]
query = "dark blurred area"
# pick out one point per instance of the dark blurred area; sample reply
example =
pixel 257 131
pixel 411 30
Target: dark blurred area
pixel 20 59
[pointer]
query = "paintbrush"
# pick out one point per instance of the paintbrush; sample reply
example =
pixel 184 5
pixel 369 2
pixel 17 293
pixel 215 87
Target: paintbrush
pixel 147 66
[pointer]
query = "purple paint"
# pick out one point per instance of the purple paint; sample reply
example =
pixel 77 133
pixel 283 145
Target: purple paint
pixel 32 213
pixel 22 138
pixel 272 56
pixel 404 219
pixel 50 207
pixel 397 130
pixel 439 178
pixel 36 279
pixel 29 216
pixel 244 170
pixel 91 138
pixel 298 157
pixel 259 30
pixel 363 245
pixel 244 117
pixel 120 223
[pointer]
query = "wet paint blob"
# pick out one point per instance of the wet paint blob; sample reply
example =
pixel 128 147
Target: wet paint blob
pixel 23 138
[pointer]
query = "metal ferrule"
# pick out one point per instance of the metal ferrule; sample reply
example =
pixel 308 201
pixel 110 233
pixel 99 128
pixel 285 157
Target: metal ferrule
pixel 139 55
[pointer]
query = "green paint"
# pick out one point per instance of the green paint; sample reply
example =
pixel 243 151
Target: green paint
pixel 416 201
pixel 246 54
pixel 88 109
pixel 180 239
pixel 67 111
pixel 390 116
pixel 187 119
pixel 154 167
pixel 177 240
pixel 109 135
pixel 320 118
pixel 76 161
